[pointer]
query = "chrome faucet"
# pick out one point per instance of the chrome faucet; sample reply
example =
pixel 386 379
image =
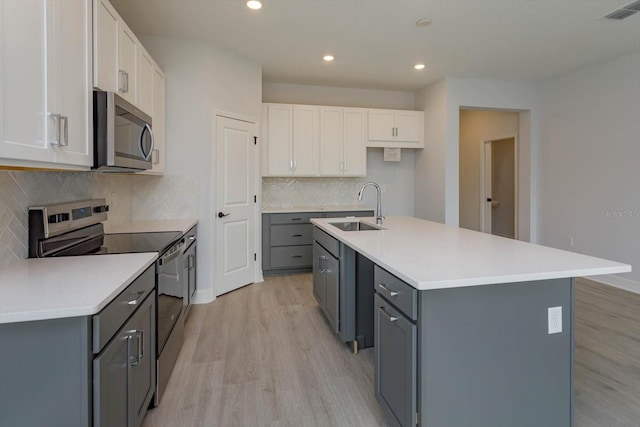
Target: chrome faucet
pixel 379 216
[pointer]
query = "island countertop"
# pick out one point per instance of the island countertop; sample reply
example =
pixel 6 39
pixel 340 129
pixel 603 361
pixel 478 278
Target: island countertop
pixel 52 288
pixel 429 255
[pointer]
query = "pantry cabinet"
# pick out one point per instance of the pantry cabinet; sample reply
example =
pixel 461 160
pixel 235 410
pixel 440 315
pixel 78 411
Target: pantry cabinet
pixel 395 128
pixel 343 141
pixel 45 81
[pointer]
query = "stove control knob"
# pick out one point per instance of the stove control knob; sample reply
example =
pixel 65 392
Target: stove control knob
pixel 56 218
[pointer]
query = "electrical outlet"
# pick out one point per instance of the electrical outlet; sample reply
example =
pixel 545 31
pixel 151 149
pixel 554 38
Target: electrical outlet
pixel 569 241
pixel 555 320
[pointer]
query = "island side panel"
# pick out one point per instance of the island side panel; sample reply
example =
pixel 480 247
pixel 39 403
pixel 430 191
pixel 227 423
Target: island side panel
pixel 45 373
pixel 487 359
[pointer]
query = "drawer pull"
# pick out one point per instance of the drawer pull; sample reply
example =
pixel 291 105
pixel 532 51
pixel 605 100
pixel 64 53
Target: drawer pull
pixel 391 293
pixel 296 219
pixel 296 235
pixel 135 301
pixel 387 315
pixel 296 256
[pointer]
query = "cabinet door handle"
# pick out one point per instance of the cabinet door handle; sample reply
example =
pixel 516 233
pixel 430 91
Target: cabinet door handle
pixel 296 235
pixel 387 315
pixel 140 338
pixel 121 77
pixel 321 262
pixel 135 301
pixel 391 293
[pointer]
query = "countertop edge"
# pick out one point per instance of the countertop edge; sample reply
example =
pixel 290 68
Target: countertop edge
pixel 316 209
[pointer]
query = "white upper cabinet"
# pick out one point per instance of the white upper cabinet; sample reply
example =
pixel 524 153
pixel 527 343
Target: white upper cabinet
pixel 45 82
pixel 145 81
pixel 105 46
pixel 291 138
pixel 342 141
pixel 127 63
pixel 396 128
pixel 158 123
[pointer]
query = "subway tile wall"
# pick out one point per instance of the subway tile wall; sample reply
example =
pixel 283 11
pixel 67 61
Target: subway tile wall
pixel 316 192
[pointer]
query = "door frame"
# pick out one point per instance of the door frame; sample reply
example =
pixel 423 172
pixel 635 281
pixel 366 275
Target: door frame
pixel 516 181
pixel 213 185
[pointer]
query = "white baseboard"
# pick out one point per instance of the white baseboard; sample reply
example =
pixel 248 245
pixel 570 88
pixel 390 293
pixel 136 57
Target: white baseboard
pixel 204 296
pixel 617 282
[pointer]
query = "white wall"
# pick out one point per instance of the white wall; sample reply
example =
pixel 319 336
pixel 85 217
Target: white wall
pixel 589 162
pixel 200 79
pixel 395 178
pixel 477 126
pixel 336 96
pixel 429 173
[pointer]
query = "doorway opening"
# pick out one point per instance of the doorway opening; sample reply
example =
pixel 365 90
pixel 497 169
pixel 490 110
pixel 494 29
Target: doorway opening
pixel 499 196
pixel 497 141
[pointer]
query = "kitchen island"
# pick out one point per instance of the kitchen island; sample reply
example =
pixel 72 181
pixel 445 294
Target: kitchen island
pixel 470 329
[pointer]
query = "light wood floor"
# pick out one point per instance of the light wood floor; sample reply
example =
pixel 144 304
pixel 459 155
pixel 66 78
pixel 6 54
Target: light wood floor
pixel 264 356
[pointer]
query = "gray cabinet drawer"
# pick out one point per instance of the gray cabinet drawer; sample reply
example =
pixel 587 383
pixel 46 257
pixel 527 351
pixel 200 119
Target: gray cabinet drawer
pixel 291 234
pixel 291 256
pixel 345 214
pixel 295 218
pixel 329 243
pixel 397 292
pixel 110 319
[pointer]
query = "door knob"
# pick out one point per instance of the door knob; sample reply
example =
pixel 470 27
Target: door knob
pixel 222 214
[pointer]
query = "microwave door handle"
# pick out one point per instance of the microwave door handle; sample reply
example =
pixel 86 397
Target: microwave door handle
pixel 145 129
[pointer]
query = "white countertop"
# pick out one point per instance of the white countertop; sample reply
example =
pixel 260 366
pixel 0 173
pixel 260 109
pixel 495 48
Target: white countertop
pixel 430 255
pixel 51 288
pixel 153 226
pixel 316 209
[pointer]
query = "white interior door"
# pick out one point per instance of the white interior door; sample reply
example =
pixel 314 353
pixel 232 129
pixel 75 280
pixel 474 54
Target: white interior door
pixel 235 219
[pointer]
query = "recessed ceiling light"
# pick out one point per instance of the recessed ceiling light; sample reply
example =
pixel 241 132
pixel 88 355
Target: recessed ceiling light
pixel 419 66
pixel 254 4
pixel 328 58
pixel 424 22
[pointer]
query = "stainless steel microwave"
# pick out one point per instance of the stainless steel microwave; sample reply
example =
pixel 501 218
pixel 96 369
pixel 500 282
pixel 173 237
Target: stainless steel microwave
pixel 122 136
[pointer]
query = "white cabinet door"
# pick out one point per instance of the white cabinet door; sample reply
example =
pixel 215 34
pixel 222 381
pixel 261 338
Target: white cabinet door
pixel 145 81
pixel 381 125
pixel 331 141
pixel 355 142
pixel 305 158
pixel 23 118
pixel 127 63
pixel 105 46
pixel 69 91
pixel 158 122
pixel 46 83
pixel 279 119
pixel 407 125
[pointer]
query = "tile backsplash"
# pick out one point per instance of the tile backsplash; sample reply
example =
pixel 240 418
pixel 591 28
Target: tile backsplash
pixel 19 190
pixel 296 192
pixel 165 197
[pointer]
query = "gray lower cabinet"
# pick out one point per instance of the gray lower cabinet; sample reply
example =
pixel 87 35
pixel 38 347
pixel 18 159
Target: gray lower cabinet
pixel 326 284
pixel 396 373
pixel 124 373
pixel 287 239
pixel 82 371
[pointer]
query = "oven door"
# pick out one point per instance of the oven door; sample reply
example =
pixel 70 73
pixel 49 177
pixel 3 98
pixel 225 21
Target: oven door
pixel 171 294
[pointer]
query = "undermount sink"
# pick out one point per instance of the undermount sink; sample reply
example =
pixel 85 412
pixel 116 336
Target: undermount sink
pixel 355 226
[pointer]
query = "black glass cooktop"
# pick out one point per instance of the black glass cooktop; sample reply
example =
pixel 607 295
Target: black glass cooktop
pixel 137 242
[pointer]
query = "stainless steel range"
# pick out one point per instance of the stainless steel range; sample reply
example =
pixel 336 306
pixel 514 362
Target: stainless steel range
pixel 73 229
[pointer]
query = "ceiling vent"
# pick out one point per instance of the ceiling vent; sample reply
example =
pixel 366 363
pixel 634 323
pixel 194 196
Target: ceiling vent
pixel 625 11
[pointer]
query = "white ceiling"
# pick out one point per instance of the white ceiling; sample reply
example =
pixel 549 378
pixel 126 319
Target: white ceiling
pixel 376 42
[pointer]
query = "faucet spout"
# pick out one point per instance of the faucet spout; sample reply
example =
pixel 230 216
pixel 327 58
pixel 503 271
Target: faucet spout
pixel 379 216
